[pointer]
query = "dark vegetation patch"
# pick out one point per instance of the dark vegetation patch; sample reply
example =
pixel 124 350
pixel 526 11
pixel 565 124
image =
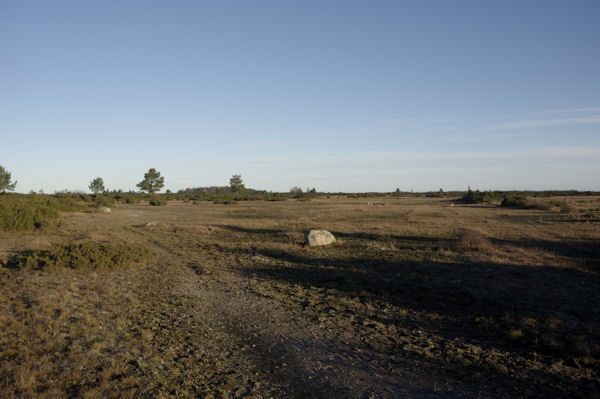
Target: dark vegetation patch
pixel 563 206
pixel 224 201
pixel 132 199
pixel 477 197
pixel 102 200
pixel 27 212
pixel 508 199
pixel 157 201
pixel 84 256
pixel 514 200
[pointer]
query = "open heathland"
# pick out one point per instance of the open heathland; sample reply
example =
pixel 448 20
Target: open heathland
pixel 418 297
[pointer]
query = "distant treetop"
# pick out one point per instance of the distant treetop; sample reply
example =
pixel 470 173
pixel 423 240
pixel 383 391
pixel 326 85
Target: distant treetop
pixel 236 183
pixel 97 185
pixel 152 182
pixel 5 183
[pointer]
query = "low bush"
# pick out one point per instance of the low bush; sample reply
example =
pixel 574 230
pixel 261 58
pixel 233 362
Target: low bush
pixel 477 197
pixel 157 201
pixel 275 197
pixel 89 255
pixel 27 212
pixel 563 206
pixel 471 240
pixel 132 199
pixel 514 200
pixel 224 201
pixel 102 200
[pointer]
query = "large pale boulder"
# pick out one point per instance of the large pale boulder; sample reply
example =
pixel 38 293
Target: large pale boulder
pixel 315 238
pixel 103 209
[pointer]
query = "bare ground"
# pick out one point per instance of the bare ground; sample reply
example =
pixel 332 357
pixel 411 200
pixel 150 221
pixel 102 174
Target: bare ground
pixel 417 299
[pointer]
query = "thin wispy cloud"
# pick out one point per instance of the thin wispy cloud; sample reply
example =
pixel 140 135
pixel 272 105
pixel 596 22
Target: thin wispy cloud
pixel 560 117
pixel 307 160
pixel 534 123
pixel 594 110
pixel 487 137
pixel 540 153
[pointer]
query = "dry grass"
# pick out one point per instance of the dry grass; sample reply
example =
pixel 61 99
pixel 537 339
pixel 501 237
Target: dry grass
pixel 470 300
pixel 471 240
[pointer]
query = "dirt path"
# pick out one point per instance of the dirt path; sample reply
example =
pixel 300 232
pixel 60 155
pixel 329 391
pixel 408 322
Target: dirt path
pixel 273 351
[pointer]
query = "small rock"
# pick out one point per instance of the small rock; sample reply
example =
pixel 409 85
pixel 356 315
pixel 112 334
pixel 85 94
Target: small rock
pixel 316 238
pixel 150 224
pixel 103 209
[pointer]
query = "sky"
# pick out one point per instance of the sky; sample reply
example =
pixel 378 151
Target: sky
pixel 346 96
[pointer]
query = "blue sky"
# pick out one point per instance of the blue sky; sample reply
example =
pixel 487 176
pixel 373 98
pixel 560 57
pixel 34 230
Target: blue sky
pixel 337 95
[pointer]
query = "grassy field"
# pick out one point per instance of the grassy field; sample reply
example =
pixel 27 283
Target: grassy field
pixel 419 297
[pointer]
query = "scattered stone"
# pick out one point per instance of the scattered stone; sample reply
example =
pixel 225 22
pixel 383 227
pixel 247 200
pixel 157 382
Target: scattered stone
pixel 316 238
pixel 103 209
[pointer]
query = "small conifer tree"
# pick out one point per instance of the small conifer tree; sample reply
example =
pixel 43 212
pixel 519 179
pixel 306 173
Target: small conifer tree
pixel 5 183
pixel 152 182
pixel 97 185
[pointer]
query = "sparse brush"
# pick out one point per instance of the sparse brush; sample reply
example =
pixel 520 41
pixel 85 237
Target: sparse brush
pixel 514 200
pixel 89 255
pixel 476 197
pixel 539 206
pixel 132 199
pixel 563 206
pixel 102 200
pixel 471 240
pixel 157 201
pixel 224 201
pixel 28 212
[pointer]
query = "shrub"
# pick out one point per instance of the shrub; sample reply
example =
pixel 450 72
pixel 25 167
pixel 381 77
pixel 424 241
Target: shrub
pixel 26 216
pixel 102 200
pixel 224 201
pixel 27 212
pixel 477 197
pixel 157 201
pixel 132 199
pixel 295 191
pixel 563 206
pixel 89 255
pixel 275 197
pixel 514 200
pixel 471 240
